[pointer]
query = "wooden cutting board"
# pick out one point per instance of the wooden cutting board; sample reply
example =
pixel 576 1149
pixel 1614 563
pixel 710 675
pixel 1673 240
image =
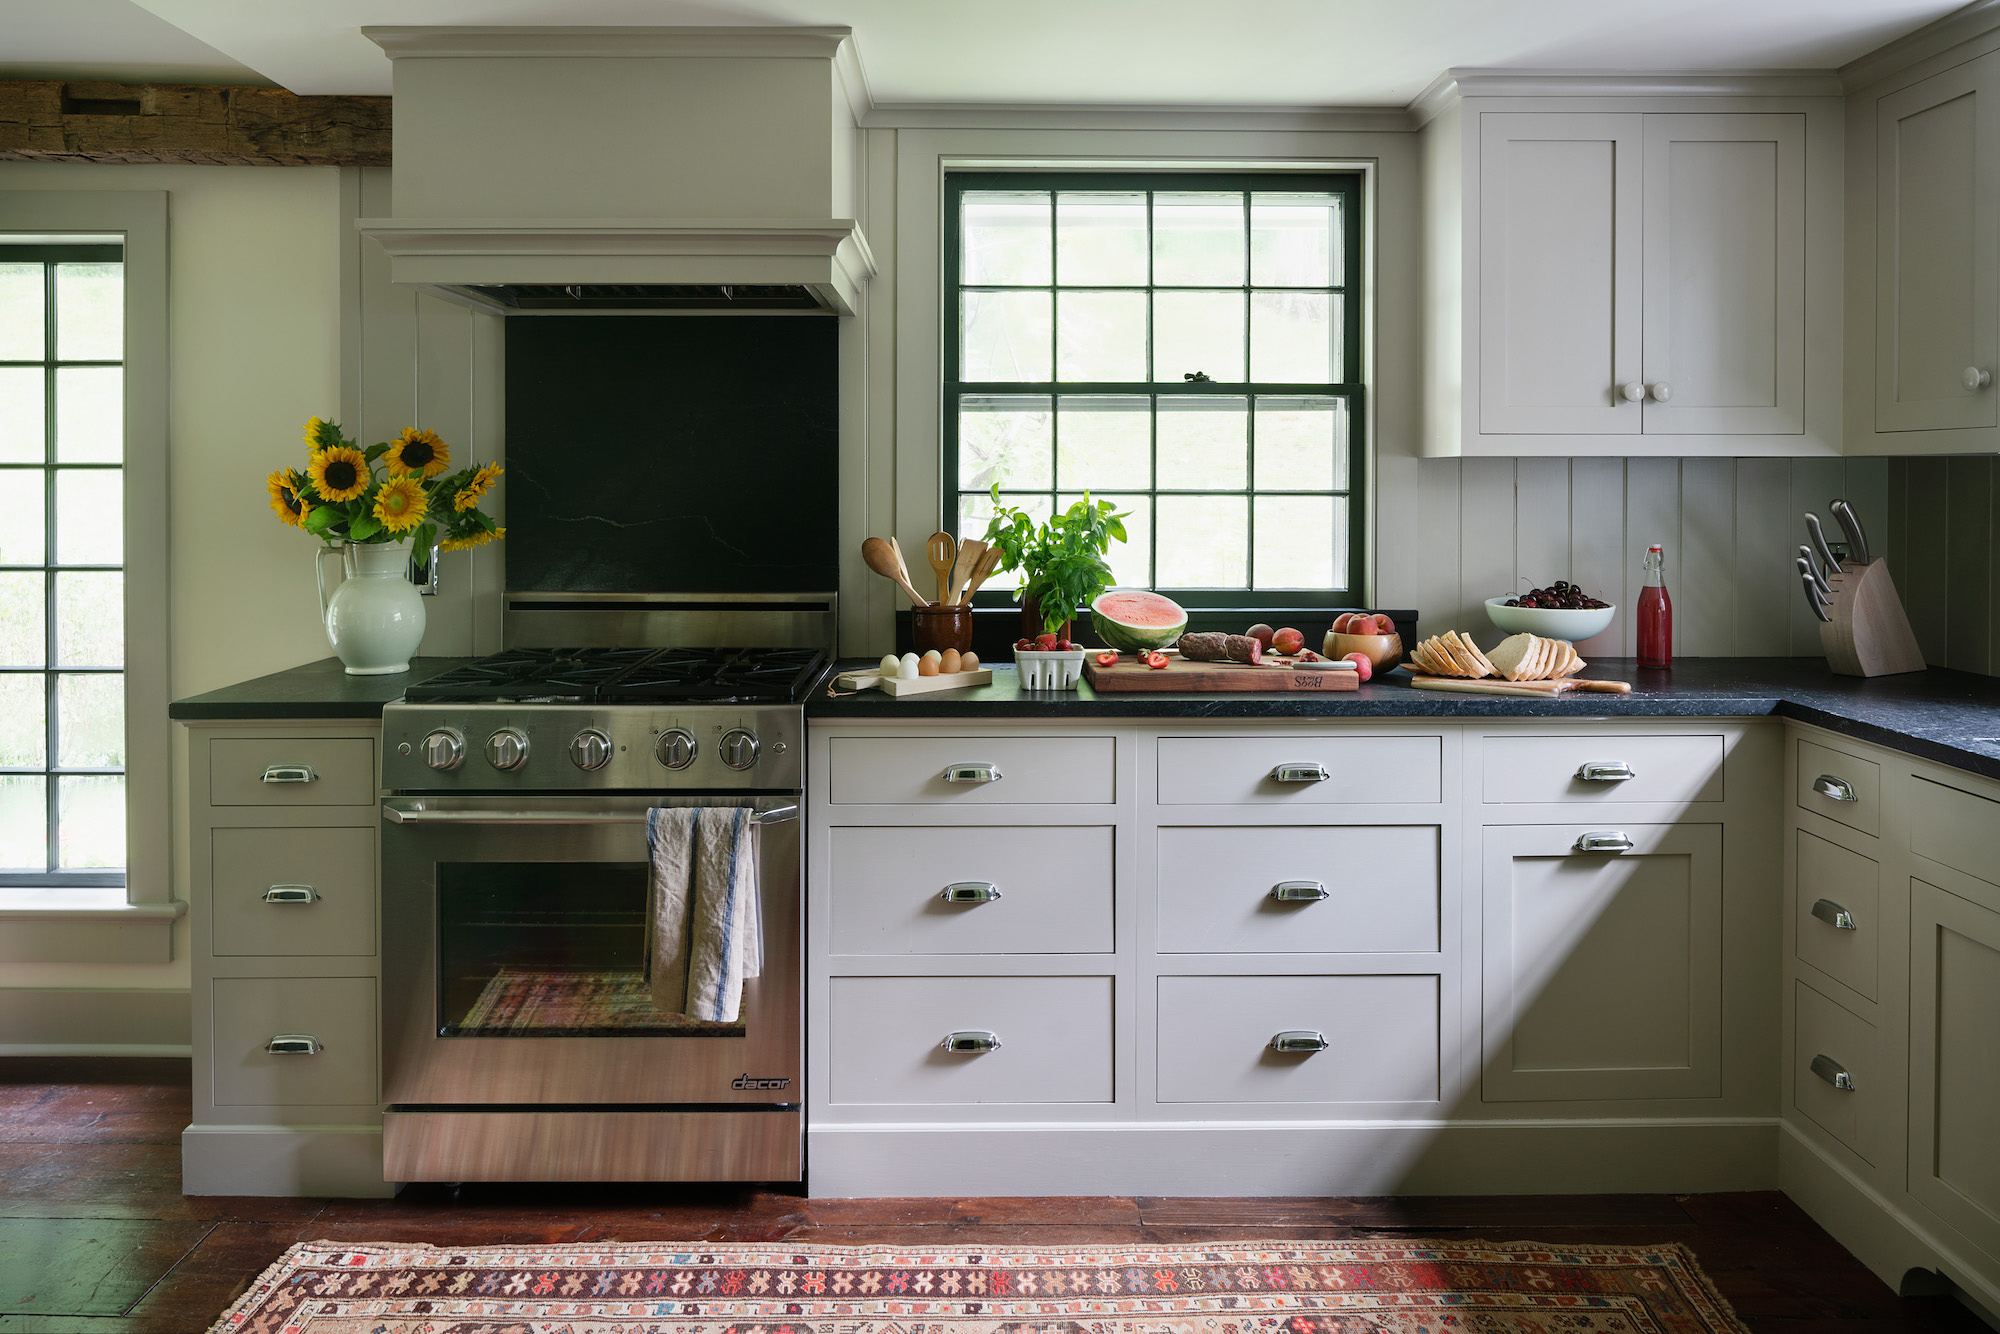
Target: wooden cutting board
pixel 1181 677
pixel 1565 685
pixel 915 685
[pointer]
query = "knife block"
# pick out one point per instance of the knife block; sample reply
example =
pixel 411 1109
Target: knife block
pixel 1869 634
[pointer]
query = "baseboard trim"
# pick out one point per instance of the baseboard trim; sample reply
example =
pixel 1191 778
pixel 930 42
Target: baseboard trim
pixel 93 1021
pixel 342 1161
pixel 1214 1158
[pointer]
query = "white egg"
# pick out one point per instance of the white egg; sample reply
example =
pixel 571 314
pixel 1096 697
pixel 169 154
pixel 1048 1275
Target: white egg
pixel 907 668
pixel 890 664
pixel 933 655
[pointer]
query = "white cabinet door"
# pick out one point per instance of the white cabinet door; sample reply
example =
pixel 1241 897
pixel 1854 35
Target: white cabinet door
pixel 1603 971
pixel 1559 273
pixel 1937 229
pixel 1955 1061
pixel 1725 256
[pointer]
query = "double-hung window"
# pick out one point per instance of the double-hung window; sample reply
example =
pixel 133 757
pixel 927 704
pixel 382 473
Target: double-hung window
pixel 1186 345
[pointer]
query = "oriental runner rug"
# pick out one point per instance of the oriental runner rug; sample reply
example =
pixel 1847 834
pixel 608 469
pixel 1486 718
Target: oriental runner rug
pixel 1351 1287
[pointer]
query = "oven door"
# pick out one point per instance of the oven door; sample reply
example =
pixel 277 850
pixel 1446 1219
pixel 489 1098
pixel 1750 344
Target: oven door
pixel 514 953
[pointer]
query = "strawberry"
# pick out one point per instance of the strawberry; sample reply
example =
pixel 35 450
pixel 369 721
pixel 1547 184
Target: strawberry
pixel 1047 642
pixel 1156 660
pixel 1064 646
pixel 1025 645
pixel 1108 659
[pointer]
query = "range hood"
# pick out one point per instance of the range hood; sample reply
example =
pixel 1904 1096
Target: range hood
pixel 544 170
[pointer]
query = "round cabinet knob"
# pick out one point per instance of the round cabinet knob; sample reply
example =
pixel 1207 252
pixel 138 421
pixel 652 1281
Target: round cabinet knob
pixel 1975 379
pixel 739 749
pixel 444 749
pixel 1662 392
pixel 507 749
pixel 591 749
pixel 675 749
pixel 1633 392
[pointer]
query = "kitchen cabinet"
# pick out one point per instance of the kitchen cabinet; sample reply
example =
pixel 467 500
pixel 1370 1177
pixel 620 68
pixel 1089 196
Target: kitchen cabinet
pixel 1955 1062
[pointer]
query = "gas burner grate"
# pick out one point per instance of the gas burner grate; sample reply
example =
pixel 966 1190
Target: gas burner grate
pixel 634 675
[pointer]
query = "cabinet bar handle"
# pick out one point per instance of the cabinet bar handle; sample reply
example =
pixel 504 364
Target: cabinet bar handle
pixel 979 772
pixel 1834 789
pixel 1605 771
pixel 291 894
pixel 1314 772
pixel 294 1044
pixel 1833 1072
pixel 1298 891
pixel 289 773
pixel 1603 840
pixel 1300 1039
pixel 970 891
pixel 970 1040
pixel 1833 915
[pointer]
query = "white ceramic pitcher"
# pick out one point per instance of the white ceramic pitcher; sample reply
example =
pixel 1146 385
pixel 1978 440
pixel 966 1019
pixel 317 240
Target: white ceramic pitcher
pixel 375 618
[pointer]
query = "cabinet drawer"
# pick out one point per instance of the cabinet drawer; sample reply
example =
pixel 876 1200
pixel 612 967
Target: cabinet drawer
pixel 1216 1039
pixel 1054 771
pixel 1051 886
pixel 1840 937
pixel 1549 769
pixel 1820 1028
pixel 1955 828
pixel 337 1011
pixel 885 1036
pixel 280 771
pixel 336 866
pixel 1840 787
pixel 1360 770
pixel 1219 885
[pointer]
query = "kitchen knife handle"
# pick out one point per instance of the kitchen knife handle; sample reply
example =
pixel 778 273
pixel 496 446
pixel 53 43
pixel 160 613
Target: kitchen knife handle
pixel 1814 601
pixel 1820 545
pixel 1850 523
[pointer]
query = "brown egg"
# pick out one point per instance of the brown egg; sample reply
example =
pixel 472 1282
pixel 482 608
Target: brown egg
pixel 927 667
pixel 968 662
pixel 948 662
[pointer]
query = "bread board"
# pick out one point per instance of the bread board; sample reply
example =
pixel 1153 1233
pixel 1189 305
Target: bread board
pixel 1549 689
pixel 1182 677
pixel 913 685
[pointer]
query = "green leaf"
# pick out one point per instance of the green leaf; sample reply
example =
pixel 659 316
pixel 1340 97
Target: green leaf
pixel 374 452
pixel 319 520
pixel 363 527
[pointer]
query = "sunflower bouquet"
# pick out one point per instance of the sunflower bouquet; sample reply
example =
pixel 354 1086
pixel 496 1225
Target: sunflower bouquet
pixel 400 489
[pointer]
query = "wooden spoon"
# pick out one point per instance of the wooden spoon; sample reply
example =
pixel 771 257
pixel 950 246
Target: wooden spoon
pixel 884 560
pixel 941 551
pixel 970 552
pixel 903 567
pixel 982 572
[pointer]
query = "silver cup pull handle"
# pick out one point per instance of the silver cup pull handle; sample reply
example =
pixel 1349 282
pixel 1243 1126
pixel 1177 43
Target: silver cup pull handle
pixel 971 1040
pixel 1833 915
pixel 288 773
pixel 1298 891
pixel 1312 772
pixel 1300 1039
pixel 294 1044
pixel 1833 1072
pixel 1605 771
pixel 1834 789
pixel 291 894
pixel 970 891
pixel 977 772
pixel 1603 840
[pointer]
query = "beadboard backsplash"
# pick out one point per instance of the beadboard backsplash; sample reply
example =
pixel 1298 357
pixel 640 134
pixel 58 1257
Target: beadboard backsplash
pixel 1478 528
pixel 1944 516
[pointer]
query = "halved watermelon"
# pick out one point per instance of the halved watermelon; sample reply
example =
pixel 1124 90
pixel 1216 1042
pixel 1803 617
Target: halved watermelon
pixel 1133 620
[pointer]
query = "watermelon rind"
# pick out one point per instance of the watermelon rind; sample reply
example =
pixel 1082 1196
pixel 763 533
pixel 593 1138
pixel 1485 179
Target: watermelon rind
pixel 1129 638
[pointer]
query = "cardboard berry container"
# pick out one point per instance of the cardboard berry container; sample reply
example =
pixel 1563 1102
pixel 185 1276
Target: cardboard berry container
pixel 1052 669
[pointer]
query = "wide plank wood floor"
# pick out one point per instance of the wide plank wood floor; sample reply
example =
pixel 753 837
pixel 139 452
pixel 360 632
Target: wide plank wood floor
pixel 96 1238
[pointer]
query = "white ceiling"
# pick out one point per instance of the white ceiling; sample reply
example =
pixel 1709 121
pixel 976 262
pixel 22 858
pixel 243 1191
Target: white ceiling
pixel 1242 52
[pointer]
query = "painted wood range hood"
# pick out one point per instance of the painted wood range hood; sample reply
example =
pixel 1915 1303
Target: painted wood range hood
pixel 627 168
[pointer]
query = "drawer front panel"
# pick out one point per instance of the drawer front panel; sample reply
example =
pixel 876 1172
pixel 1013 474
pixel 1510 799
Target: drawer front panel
pixel 247 771
pixel 1821 1028
pixel 338 1011
pixel 260 874
pixel 1052 890
pixel 1218 888
pixel 1840 787
pixel 1548 769
pixel 1054 1034
pixel 1846 887
pixel 1216 1039
pixel 1955 828
pixel 1360 770
pixel 1054 771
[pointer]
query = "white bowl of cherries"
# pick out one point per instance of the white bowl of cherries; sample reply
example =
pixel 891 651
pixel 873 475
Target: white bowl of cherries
pixel 1560 611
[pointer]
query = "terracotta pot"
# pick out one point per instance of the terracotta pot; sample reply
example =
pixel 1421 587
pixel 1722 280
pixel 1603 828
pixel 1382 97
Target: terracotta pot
pixel 1031 618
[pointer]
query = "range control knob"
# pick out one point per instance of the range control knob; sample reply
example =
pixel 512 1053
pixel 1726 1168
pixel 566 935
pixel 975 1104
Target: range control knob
pixel 739 749
pixel 507 749
pixel 590 749
pixel 675 749
pixel 444 749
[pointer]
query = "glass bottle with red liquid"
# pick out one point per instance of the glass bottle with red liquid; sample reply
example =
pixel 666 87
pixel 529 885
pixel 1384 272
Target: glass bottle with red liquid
pixel 1656 613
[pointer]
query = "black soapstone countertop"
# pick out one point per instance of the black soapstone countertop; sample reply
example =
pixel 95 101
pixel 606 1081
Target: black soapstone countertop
pixel 320 689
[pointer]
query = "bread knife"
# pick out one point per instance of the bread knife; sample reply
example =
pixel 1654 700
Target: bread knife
pixel 1850 523
pixel 1812 595
pixel 1828 561
pixel 1811 567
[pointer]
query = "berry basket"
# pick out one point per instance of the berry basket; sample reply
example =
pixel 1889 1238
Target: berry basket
pixel 1049 669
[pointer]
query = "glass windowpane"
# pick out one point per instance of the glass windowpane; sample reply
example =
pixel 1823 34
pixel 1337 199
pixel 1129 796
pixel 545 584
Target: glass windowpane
pixel 1130 560
pixel 23 323
pixel 1103 442
pixel 1294 337
pixel 90 516
pixel 1101 240
pixel 24 823
pixel 1295 240
pixel 90 720
pixel 1204 444
pixel 1005 438
pixel 1005 336
pixel 23 720
pixel 1295 542
pixel 90 312
pixel 975 511
pixel 90 619
pixel 23 426
pixel 1100 335
pixel 1198 331
pixel 90 414
pixel 23 618
pixel 1301 444
pixel 91 820
pixel 1204 541
pixel 22 517
pixel 1005 239
pixel 1198 239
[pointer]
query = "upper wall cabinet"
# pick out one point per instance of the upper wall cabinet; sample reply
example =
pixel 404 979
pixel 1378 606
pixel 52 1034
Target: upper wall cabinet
pixel 1631 282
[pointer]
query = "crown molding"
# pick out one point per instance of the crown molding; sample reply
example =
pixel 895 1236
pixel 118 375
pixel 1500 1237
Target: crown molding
pixel 1933 39
pixel 779 42
pixel 1455 84
pixel 1133 116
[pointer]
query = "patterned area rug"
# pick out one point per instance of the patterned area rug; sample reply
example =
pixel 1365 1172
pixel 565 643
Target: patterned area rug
pixel 1358 1287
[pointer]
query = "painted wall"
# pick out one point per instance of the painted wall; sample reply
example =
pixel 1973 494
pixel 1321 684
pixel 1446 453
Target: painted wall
pixel 1944 550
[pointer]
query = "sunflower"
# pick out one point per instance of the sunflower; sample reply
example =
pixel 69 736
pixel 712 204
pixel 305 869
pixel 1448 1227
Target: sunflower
pixel 478 538
pixel 339 473
pixel 417 452
pixel 321 434
pixel 286 502
pixel 400 504
pixel 475 490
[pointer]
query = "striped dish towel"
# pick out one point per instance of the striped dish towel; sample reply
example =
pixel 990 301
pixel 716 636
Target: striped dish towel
pixel 706 932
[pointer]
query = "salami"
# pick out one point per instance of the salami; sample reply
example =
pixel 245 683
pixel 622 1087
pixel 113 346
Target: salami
pixel 1244 648
pixel 1205 647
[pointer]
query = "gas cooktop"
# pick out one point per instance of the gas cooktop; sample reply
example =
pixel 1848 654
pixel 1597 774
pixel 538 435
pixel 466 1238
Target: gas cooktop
pixel 629 675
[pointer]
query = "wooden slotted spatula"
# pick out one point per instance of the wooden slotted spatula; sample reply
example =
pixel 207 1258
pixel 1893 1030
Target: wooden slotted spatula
pixel 941 551
pixel 970 552
pixel 882 558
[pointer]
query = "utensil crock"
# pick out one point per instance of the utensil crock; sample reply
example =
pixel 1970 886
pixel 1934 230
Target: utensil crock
pixel 941 626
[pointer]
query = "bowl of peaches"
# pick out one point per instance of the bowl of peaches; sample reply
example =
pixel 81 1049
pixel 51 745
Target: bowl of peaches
pixel 1371 634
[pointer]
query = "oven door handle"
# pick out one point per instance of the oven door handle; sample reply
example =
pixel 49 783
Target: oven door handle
pixel 399 814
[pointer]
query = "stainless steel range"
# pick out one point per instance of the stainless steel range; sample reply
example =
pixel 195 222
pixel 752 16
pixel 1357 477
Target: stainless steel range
pixel 521 1043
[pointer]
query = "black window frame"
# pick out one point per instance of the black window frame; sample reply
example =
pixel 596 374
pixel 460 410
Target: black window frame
pixel 1350 386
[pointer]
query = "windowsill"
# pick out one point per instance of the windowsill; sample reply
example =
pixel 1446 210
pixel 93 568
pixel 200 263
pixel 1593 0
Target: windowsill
pixel 84 925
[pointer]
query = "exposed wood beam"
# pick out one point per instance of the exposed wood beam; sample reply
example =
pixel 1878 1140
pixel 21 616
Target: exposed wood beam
pixel 211 124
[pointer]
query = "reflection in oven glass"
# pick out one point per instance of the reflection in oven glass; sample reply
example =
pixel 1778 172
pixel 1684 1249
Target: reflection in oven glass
pixel 549 949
